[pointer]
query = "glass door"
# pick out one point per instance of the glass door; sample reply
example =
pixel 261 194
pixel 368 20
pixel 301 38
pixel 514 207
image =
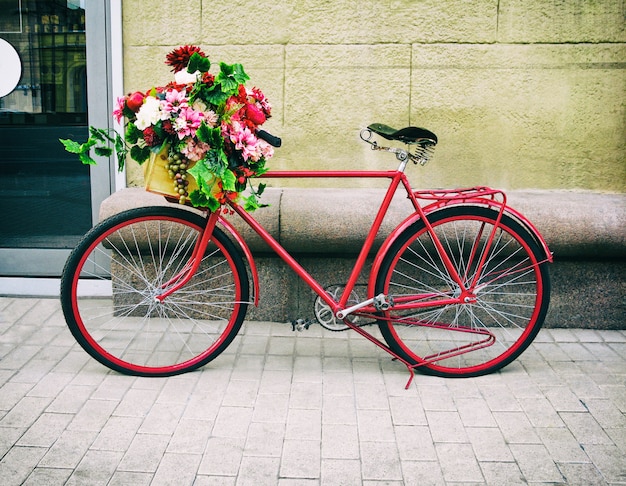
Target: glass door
pixel 46 194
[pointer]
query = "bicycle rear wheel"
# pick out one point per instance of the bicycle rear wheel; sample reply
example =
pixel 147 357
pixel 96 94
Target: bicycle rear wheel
pixel 111 279
pixel 486 333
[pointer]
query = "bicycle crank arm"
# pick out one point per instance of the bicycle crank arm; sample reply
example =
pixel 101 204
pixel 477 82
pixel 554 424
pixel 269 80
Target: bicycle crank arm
pixel 380 303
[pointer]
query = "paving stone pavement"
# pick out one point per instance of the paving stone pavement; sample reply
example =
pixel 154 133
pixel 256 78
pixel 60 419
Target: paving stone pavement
pixel 311 408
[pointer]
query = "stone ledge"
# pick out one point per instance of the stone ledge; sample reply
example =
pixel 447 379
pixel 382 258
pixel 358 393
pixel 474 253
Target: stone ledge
pixel 576 225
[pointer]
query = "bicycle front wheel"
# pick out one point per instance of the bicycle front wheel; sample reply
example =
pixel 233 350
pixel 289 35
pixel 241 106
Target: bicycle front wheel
pixel 495 325
pixel 111 279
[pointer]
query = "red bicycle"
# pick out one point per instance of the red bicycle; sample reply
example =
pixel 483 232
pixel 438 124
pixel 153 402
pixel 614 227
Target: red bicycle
pixel 459 288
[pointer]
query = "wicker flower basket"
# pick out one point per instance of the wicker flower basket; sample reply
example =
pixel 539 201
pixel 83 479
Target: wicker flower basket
pixel 157 177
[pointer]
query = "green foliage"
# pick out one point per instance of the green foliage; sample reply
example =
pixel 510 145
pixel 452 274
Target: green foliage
pixel 198 63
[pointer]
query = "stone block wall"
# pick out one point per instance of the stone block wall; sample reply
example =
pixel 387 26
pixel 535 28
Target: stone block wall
pixel 522 93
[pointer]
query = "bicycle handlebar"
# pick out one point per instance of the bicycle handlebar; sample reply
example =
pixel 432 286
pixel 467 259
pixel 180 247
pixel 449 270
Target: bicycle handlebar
pixel 269 138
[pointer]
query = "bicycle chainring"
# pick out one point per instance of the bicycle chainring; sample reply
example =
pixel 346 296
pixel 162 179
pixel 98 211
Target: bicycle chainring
pixel 324 314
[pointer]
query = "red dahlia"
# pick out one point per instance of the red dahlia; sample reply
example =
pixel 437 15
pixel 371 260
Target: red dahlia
pixel 179 58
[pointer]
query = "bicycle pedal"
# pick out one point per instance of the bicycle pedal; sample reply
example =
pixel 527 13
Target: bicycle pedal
pixel 301 324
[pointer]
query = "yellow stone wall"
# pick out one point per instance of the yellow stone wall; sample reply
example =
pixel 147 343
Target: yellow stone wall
pixel 522 93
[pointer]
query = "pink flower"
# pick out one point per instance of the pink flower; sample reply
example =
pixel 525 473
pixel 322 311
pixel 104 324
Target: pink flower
pixel 187 122
pixel 195 151
pixel 245 141
pixel 118 113
pixel 174 101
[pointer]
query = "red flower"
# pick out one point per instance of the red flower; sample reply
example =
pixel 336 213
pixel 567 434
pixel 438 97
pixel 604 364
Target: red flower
pixel 179 58
pixel 150 137
pixel 168 127
pixel 134 101
pixel 255 114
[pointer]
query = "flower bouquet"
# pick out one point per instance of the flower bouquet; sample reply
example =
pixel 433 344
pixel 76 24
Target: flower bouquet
pixel 199 134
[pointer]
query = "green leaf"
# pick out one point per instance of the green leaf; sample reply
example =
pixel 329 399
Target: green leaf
pixel 198 63
pixel 216 96
pixel 86 159
pixel 139 154
pixel 97 134
pixel 71 146
pixel 103 151
pixel 230 77
pixel 121 151
pixel 228 181
pixel 211 136
pixel 201 200
pixel 132 133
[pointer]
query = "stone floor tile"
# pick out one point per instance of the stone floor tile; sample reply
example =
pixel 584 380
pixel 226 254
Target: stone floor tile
pixel 46 430
pixel 241 393
pixel 265 439
pixel 136 403
pixel 563 399
pixel 271 408
pixel 126 478
pixel 581 474
pixel 502 473
pixel 93 415
pixel 380 461
pixel 255 471
pixel 516 428
pixel 606 413
pixel 340 442
pixel 96 467
pixel 338 384
pixel 458 463
pixel 407 410
pixel 19 463
pixel 489 445
pixel 145 453
pixel 340 472
pixel 540 412
pixel 446 427
pixel 338 410
pixel 190 437
pixel 419 473
pixel 48 476
pixel 536 464
pixel 304 424
pixel 474 412
pixel 585 428
pixel 178 469
pixel 609 460
pixel 222 456
pixel 306 395
pixel 69 449
pixel 25 412
pixel 562 445
pixel 375 426
pixel 301 459
pixel 232 422
pixel 499 398
pixel 11 393
pixel 415 443
pixel 436 397
pixel 117 434
pixel 371 396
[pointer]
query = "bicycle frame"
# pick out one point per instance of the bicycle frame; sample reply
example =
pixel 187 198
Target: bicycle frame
pixel 371 307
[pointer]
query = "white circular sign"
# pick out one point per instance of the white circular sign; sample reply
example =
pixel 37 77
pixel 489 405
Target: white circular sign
pixel 10 67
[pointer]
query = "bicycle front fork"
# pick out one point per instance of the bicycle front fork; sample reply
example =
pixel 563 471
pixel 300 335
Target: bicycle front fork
pixel 192 265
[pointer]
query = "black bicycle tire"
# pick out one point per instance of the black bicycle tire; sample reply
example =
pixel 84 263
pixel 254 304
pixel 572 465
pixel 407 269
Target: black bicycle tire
pixel 419 227
pixel 136 214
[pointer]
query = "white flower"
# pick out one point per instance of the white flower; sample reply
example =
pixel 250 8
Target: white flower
pixel 149 113
pixel 184 77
